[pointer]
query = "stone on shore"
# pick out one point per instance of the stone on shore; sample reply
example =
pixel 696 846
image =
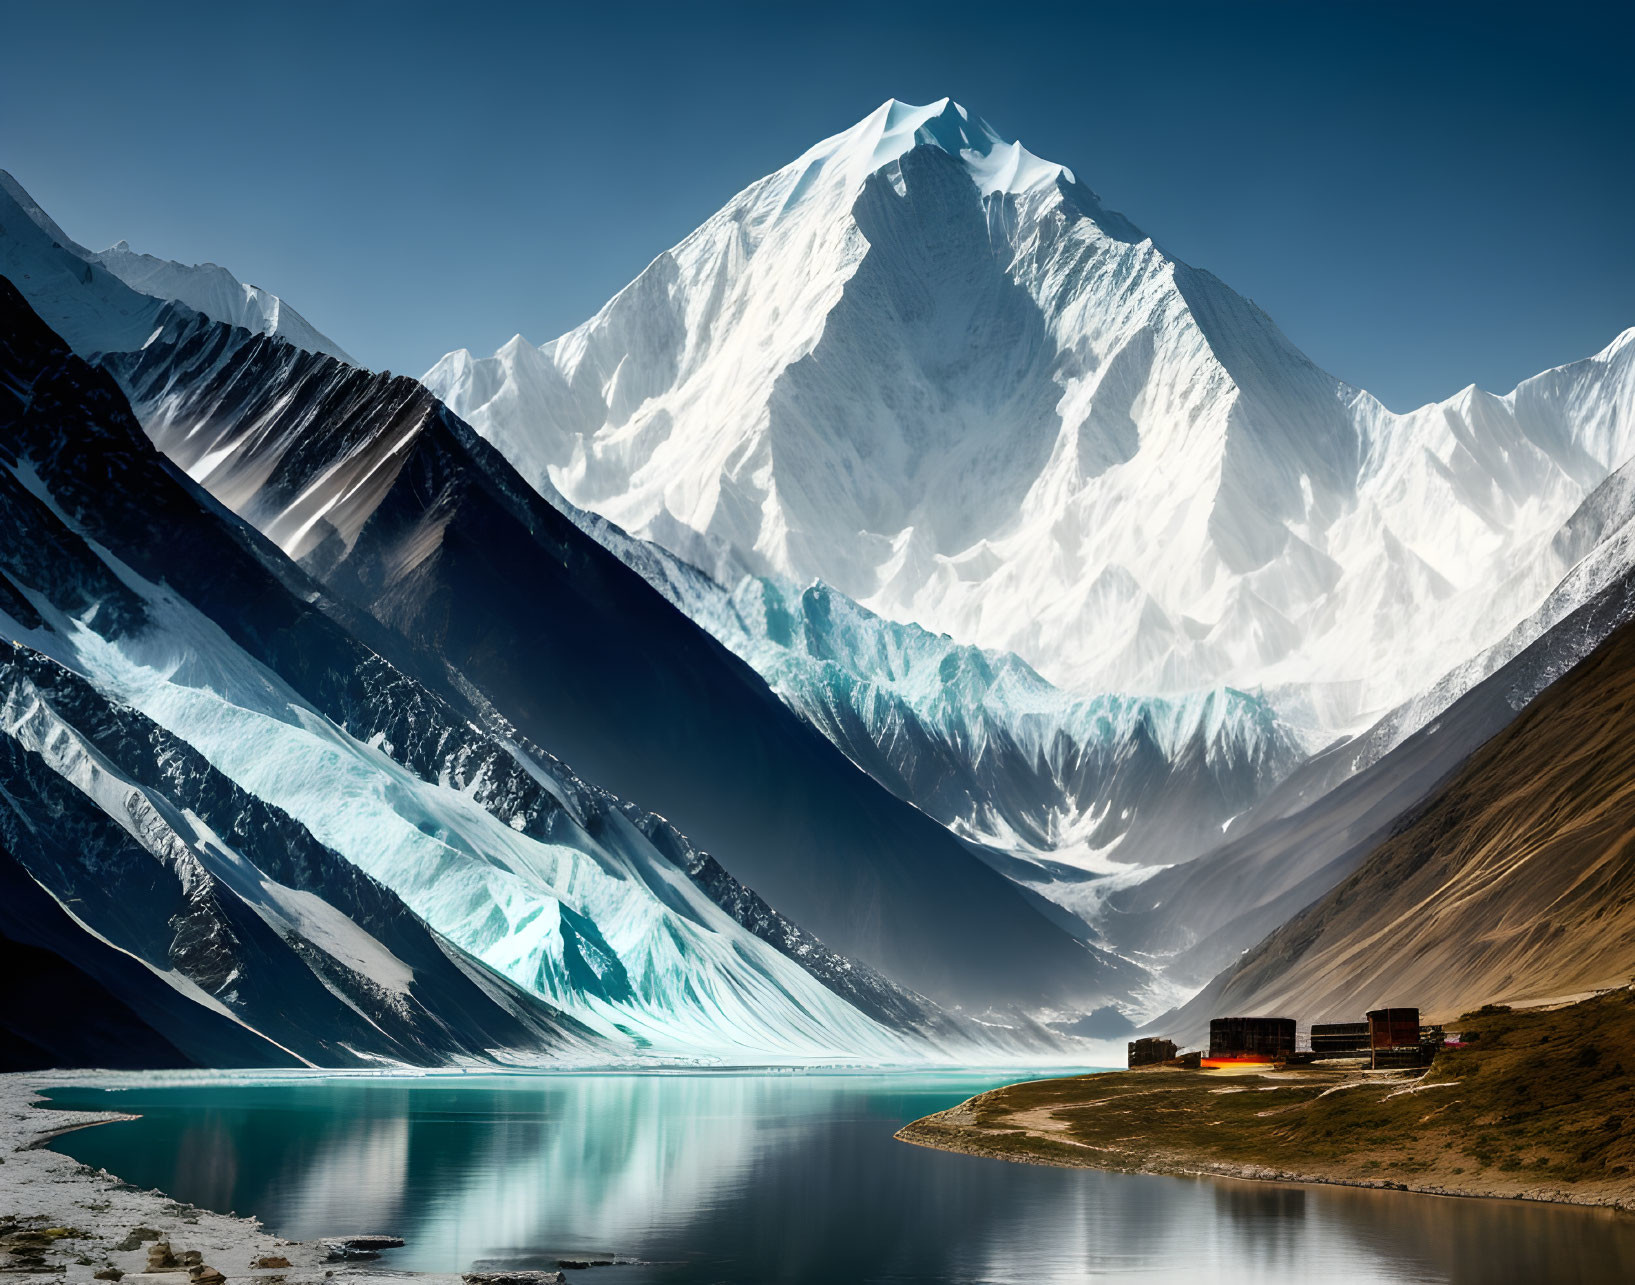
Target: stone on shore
pixel 160 1258
pixel 356 1248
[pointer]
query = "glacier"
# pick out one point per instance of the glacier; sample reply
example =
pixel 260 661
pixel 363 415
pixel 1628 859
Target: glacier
pixel 1148 776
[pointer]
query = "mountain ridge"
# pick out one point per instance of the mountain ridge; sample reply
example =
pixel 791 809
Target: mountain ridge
pixel 206 287
pixel 928 358
pixel 559 889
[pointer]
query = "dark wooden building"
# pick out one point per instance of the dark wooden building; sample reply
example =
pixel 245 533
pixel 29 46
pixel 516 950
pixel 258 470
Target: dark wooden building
pixel 1394 1038
pixel 1151 1049
pixel 1393 1028
pixel 1337 1039
pixel 1251 1039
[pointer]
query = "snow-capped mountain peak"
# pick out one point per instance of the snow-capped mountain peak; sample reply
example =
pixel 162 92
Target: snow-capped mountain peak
pixel 995 164
pixel 930 369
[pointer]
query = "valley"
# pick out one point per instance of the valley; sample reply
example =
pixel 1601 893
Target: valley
pixel 874 713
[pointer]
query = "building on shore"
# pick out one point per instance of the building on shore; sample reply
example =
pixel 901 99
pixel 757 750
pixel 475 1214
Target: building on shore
pixel 1389 1038
pixel 1396 1039
pixel 1339 1039
pixel 1391 1028
pixel 1249 1041
pixel 1151 1050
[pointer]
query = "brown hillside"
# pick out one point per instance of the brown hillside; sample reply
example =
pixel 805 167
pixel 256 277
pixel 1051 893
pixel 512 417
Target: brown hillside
pixel 1515 883
pixel 1536 1106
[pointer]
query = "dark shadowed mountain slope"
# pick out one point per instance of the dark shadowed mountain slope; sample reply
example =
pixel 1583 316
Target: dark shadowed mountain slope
pixel 1514 883
pixel 74 1000
pixel 321 801
pixel 405 512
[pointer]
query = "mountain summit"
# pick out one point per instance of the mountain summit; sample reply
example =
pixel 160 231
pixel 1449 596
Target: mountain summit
pixel 893 128
pixel 931 369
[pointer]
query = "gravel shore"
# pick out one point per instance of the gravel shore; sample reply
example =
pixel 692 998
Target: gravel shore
pixel 64 1221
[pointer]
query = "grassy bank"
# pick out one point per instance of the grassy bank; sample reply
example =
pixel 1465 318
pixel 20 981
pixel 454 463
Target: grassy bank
pixel 1541 1105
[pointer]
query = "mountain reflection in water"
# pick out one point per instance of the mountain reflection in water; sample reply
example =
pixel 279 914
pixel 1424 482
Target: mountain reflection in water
pixel 727 1177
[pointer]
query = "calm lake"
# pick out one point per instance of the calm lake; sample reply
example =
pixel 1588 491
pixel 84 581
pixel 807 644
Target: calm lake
pixel 759 1178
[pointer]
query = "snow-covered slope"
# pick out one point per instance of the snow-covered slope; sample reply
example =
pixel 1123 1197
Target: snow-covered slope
pixel 206 287
pixel 82 301
pixel 935 372
pixel 257 923
pixel 247 763
pixel 218 294
pixel 983 743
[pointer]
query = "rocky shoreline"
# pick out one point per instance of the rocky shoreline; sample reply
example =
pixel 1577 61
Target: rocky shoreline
pixel 62 1221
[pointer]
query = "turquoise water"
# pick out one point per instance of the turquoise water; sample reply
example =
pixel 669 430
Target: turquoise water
pixel 750 1179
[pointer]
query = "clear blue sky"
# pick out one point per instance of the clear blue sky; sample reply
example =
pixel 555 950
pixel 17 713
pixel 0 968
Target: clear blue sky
pixel 1423 195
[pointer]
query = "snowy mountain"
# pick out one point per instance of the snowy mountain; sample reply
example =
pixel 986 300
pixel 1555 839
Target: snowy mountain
pixel 934 372
pixel 205 287
pixel 1055 537
pixel 218 294
pixel 1054 786
pixel 407 515
pixel 229 793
